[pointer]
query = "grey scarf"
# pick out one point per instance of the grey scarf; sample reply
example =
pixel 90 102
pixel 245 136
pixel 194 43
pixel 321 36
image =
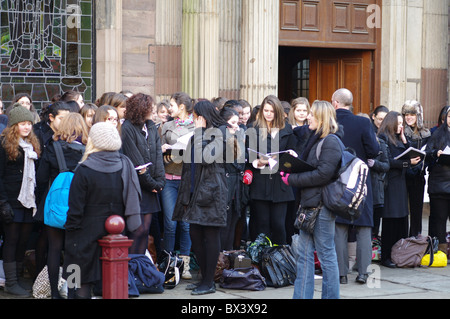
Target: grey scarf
pixel 26 196
pixel 110 162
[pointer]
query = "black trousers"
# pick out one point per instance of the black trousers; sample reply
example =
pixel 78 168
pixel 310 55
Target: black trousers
pixel 269 218
pixel 439 214
pixel 416 188
pixel 392 230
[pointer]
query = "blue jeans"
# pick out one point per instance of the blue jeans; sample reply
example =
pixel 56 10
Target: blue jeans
pixel 169 197
pixel 323 242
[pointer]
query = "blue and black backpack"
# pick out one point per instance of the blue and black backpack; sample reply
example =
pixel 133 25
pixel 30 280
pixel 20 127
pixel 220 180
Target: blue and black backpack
pixel 57 200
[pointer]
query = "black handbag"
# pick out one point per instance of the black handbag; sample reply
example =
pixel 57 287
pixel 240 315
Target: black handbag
pixel 278 266
pixel 306 219
pixel 243 278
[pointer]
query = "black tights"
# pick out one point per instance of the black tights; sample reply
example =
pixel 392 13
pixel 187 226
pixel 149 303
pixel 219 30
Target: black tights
pixel 206 247
pixel 140 236
pixel 16 239
pixel 55 246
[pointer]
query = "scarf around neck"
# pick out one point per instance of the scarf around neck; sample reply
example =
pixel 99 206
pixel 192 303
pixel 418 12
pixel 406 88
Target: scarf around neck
pixel 26 196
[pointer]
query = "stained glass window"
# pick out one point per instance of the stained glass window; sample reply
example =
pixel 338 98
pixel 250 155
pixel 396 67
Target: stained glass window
pixel 46 48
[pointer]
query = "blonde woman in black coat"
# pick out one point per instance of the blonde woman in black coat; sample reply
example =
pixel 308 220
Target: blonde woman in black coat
pixel 322 123
pixel 202 197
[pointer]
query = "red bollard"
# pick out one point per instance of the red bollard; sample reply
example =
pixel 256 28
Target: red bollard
pixel 115 259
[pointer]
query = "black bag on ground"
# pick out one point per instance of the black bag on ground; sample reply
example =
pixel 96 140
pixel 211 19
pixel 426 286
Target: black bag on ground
pixel 278 266
pixel 171 267
pixel 243 278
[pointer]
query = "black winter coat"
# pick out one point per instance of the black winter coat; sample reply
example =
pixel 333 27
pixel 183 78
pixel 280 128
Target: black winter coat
pixel 48 170
pixel 202 196
pixel 378 174
pixel 310 183
pixel 141 151
pixel 267 184
pixel 439 175
pixel 396 194
pixel 93 197
pixel 11 176
pixel 360 136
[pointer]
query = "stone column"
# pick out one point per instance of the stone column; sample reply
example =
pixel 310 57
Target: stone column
pixel 393 54
pixel 260 28
pixel 200 48
pixel 434 88
pixel 166 54
pixel 108 46
pixel 230 48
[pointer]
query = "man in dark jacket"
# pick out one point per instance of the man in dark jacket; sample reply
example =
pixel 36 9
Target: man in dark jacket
pixel 360 136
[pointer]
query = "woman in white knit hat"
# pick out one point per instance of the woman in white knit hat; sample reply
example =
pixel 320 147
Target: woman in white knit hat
pixel 19 150
pixel 105 183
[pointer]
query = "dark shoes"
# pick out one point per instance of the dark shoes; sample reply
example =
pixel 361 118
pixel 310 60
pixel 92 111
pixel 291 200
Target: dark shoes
pixel 343 280
pixel 388 263
pixel 202 290
pixel 362 278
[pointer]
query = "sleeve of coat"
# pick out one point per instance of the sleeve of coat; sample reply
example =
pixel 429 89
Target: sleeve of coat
pixel 382 161
pixel 79 190
pixel 3 159
pixel 329 159
pixel 369 139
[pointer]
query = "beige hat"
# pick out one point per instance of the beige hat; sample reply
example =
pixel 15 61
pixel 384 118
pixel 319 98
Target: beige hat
pixel 105 137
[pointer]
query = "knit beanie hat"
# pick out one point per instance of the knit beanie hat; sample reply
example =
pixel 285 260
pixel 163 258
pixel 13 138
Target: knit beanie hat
pixel 414 107
pixel 18 114
pixel 105 137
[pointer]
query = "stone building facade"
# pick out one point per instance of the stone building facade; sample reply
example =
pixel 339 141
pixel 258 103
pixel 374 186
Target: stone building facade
pixel 386 51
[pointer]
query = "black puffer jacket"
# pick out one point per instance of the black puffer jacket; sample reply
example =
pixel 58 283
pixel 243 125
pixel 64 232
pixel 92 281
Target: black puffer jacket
pixel 202 197
pixel 310 183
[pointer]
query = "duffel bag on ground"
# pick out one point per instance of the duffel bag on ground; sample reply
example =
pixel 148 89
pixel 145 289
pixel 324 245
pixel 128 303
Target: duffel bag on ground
pixel 243 278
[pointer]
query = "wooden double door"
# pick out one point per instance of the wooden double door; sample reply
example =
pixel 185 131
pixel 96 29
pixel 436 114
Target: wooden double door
pixel 334 69
pixel 329 70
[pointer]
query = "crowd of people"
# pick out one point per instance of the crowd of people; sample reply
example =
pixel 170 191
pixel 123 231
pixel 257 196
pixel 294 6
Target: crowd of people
pixel 202 176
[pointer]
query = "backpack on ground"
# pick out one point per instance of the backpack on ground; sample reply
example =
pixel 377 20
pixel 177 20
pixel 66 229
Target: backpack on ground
pixel 57 200
pixel 408 252
pixel 346 194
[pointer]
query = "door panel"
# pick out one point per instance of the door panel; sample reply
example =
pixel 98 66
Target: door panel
pixel 334 69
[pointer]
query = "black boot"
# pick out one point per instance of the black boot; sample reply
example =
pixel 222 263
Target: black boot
pixel 11 284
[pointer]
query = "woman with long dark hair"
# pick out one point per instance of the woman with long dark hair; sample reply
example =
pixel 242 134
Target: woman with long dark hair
pixel 268 194
pixel 438 182
pixel 395 213
pixel 202 197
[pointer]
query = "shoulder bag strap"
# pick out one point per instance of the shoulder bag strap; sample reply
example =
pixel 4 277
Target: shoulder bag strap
pixel 60 157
